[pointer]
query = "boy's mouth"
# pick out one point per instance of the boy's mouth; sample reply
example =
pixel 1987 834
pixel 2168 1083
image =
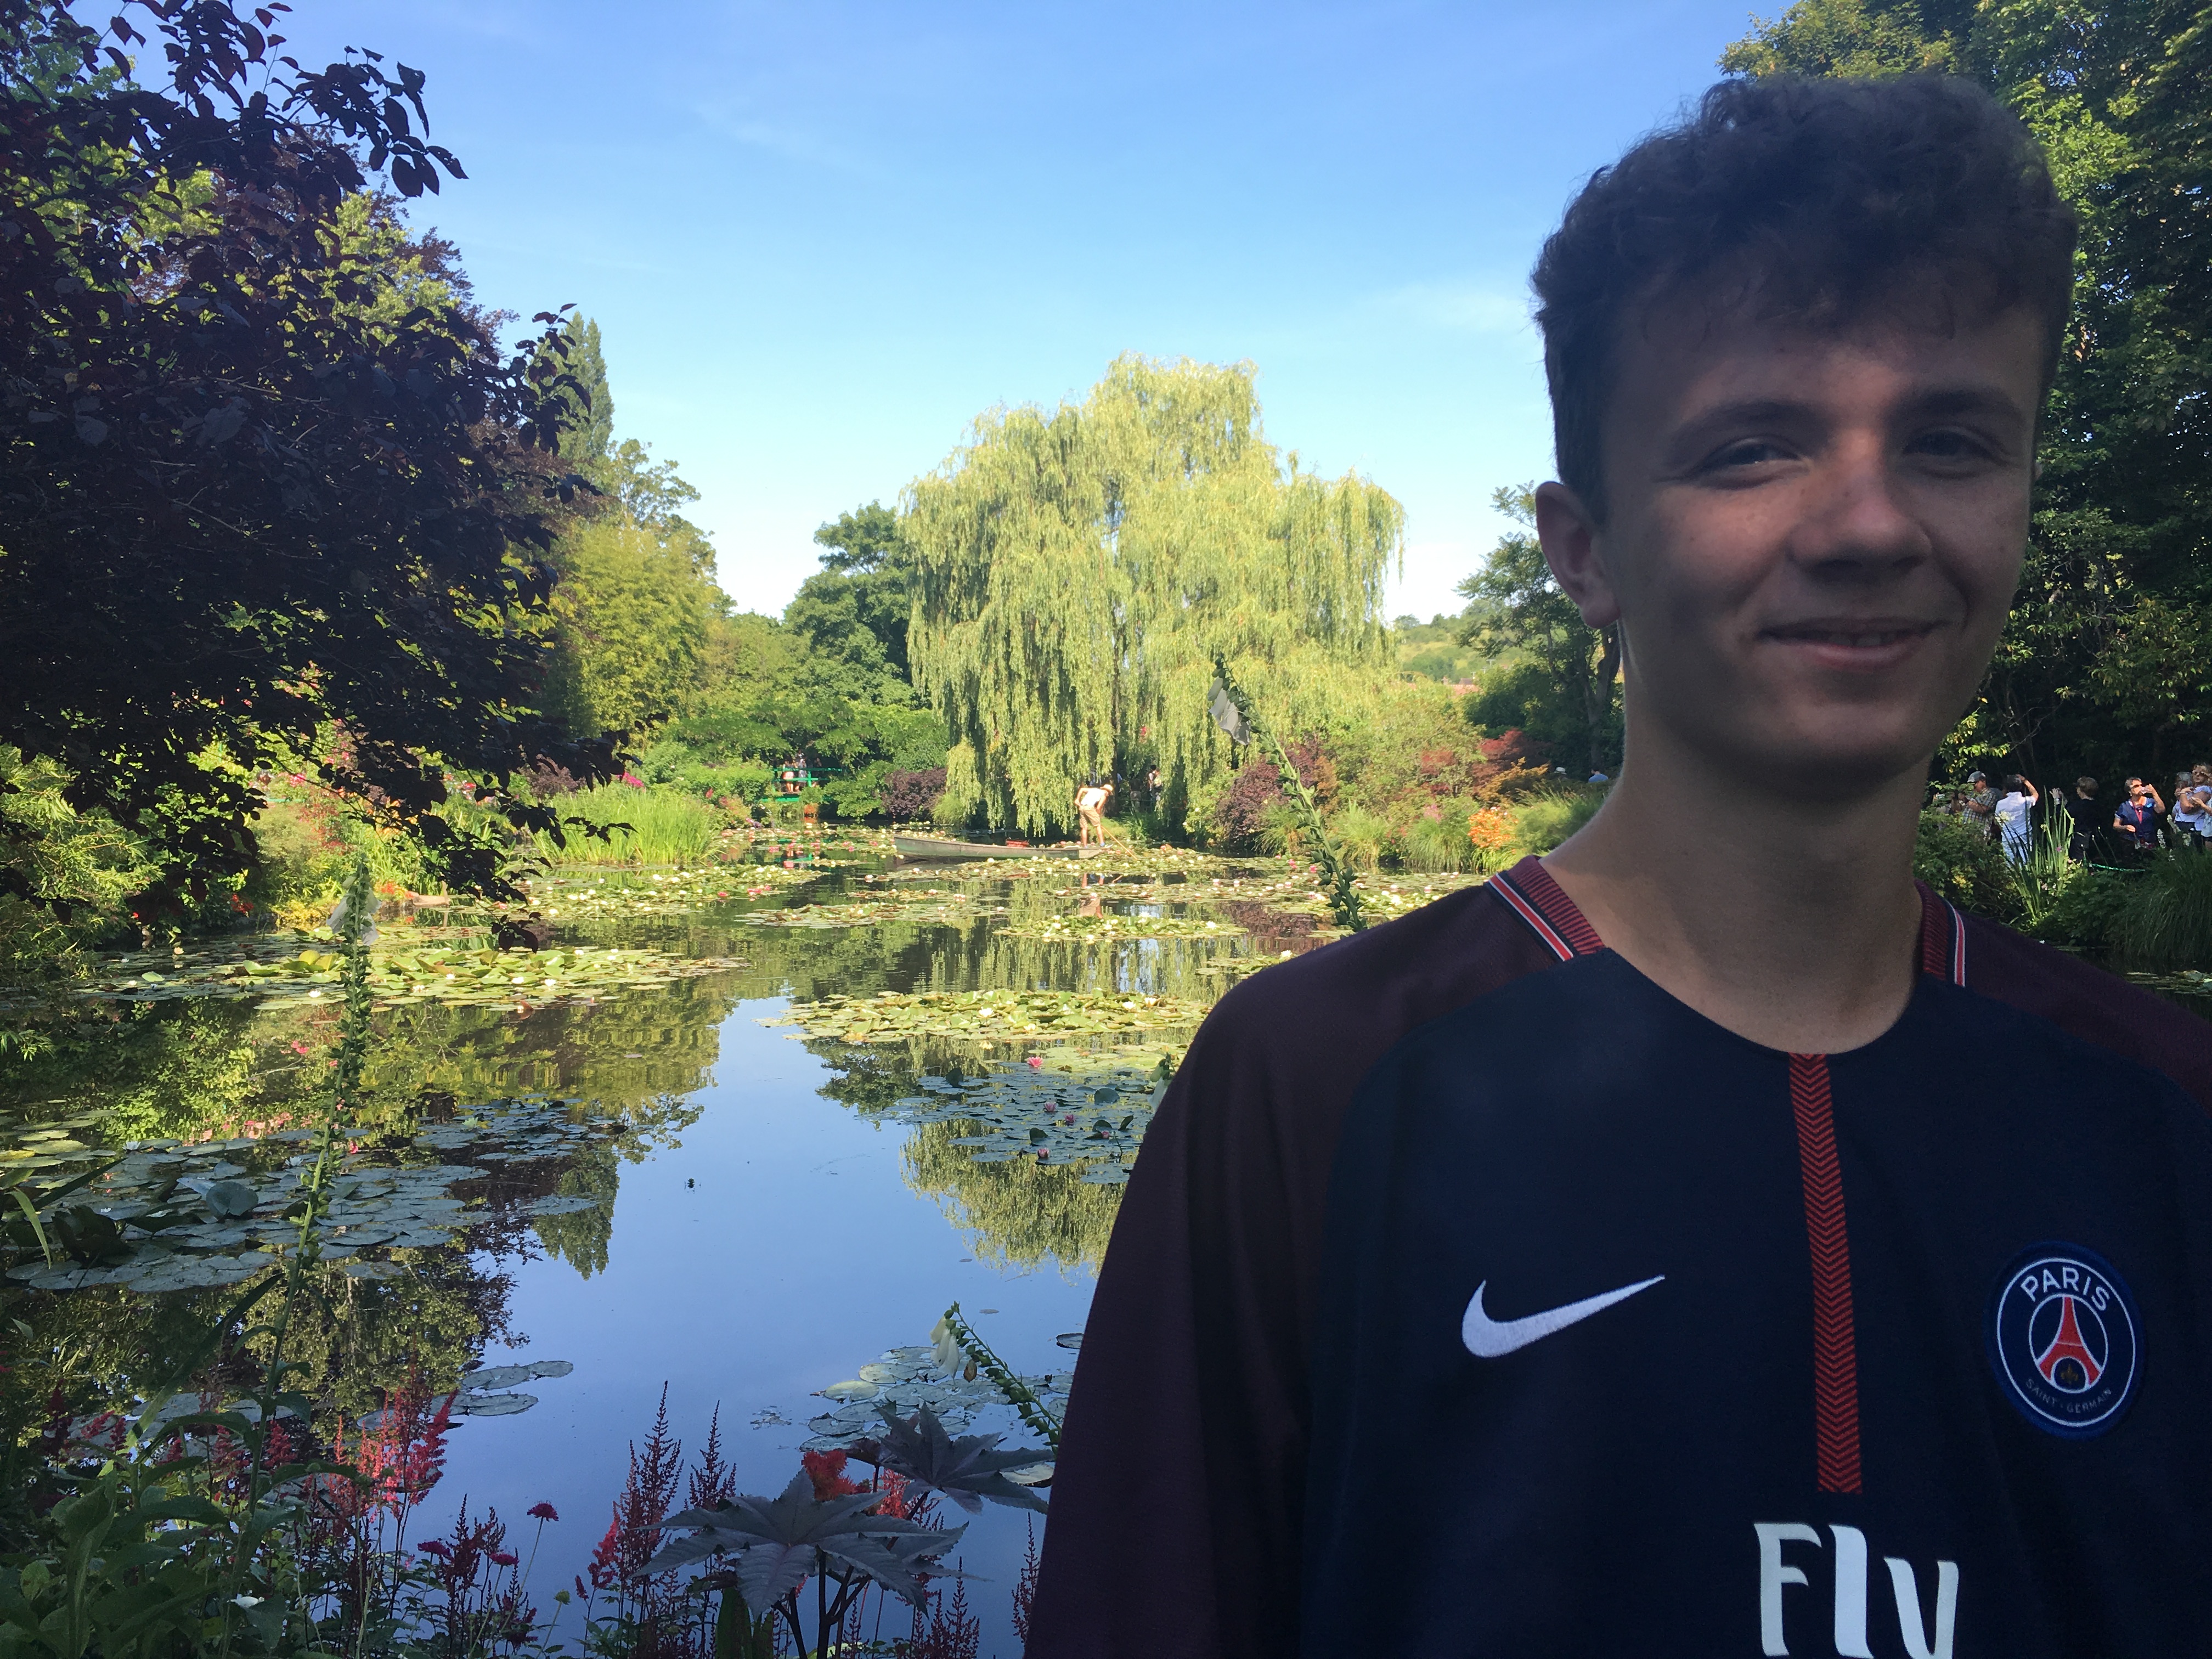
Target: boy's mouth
pixel 1874 634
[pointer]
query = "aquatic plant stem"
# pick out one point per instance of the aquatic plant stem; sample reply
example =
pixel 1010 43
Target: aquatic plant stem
pixel 1339 878
pixel 1032 1411
pixel 347 1068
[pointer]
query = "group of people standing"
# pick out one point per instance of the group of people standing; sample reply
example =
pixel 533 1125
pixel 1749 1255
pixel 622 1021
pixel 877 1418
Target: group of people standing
pixel 2127 831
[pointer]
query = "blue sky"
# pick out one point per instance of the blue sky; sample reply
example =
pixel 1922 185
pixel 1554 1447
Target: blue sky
pixel 822 238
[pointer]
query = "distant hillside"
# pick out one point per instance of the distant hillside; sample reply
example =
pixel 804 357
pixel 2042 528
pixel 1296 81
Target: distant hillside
pixel 1431 649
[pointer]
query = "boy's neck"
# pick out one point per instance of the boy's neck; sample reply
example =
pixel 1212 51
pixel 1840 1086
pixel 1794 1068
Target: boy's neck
pixel 1790 921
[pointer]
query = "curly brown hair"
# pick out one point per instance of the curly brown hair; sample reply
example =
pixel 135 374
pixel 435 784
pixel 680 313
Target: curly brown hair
pixel 1819 199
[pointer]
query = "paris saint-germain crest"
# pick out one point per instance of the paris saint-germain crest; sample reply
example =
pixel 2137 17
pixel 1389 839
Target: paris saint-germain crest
pixel 2066 1339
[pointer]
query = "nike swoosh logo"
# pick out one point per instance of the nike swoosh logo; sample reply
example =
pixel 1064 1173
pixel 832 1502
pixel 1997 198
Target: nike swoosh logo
pixel 1488 1339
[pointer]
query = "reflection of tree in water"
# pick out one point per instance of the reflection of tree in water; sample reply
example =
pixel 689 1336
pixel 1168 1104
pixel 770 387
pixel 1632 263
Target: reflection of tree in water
pixel 1020 1212
pixel 357 1339
pixel 147 1066
pixel 191 1068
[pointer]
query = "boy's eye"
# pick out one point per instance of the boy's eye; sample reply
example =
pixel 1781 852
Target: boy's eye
pixel 1949 445
pixel 1744 453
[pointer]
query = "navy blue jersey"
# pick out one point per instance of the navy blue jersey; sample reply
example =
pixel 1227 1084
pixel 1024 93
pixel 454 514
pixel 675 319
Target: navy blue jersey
pixel 1473 1295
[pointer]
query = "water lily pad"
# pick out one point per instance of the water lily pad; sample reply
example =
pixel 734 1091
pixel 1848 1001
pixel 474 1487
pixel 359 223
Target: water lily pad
pixel 1023 1020
pixel 492 1405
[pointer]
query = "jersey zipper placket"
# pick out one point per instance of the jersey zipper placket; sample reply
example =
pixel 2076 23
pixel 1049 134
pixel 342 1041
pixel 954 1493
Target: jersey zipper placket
pixel 1544 905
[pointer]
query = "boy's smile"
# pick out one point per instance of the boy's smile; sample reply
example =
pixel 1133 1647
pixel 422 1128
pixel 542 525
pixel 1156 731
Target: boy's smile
pixel 1814 536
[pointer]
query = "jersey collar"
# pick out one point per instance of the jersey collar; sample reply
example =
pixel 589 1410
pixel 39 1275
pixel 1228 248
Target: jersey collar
pixel 1529 890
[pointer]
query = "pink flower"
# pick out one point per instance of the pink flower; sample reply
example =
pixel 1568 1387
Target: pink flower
pixel 437 1546
pixel 544 1511
pixel 502 1558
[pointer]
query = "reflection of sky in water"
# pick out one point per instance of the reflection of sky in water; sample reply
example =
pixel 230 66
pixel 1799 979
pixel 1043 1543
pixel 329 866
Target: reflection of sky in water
pixel 770 1239
pixel 799 1256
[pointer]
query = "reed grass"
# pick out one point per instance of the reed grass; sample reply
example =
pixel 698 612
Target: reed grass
pixel 1547 819
pixel 666 825
pixel 2166 920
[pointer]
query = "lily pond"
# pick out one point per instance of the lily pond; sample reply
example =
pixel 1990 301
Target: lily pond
pixel 741 1133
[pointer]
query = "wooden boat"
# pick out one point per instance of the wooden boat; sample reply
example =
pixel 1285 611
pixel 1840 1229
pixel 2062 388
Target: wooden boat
pixel 929 846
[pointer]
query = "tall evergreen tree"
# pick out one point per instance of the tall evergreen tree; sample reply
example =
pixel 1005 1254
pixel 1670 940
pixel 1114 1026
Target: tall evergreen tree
pixel 588 435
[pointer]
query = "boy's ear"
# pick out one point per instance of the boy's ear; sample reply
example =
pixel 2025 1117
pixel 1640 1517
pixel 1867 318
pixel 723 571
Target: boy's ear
pixel 1569 536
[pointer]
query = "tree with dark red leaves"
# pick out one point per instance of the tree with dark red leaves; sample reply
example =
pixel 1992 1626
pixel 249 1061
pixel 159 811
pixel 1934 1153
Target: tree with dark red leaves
pixel 253 499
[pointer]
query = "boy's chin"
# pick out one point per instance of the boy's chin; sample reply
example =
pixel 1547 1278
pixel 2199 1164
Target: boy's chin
pixel 1835 761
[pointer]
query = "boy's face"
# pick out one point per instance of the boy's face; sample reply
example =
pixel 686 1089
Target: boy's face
pixel 1815 536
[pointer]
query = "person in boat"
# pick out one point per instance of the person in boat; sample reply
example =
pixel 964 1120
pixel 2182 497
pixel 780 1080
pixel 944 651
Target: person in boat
pixel 1605 1261
pixel 1091 813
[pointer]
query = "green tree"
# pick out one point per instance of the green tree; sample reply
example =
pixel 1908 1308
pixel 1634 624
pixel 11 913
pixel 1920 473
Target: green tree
pixel 635 609
pixel 2104 667
pixel 267 469
pixel 1077 571
pixel 1556 676
pixel 853 612
pixel 588 435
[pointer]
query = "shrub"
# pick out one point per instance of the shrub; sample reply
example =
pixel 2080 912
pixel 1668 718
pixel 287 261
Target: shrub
pixel 1492 834
pixel 2086 914
pixel 1363 839
pixel 909 795
pixel 1965 867
pixel 1543 821
pixel 73 873
pixel 1240 819
pixel 1440 843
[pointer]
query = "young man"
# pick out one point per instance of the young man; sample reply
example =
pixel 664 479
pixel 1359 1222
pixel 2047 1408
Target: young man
pixel 1600 1262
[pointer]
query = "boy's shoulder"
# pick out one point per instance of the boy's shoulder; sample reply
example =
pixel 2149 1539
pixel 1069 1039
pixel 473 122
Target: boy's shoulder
pixel 1360 994
pixel 2089 1003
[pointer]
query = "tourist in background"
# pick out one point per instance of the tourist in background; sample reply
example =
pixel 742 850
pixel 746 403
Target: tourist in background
pixel 2136 820
pixel 2192 807
pixel 2011 816
pixel 2089 841
pixel 1980 803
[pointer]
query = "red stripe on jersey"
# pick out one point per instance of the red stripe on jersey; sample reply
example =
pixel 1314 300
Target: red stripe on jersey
pixel 1529 913
pixel 1943 937
pixel 1835 1349
pixel 1544 906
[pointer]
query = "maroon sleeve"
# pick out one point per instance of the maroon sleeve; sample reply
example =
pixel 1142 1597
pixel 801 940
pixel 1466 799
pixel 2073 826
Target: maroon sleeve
pixel 1176 1509
pixel 2090 1004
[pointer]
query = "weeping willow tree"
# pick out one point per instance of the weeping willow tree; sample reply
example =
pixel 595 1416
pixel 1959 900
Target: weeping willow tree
pixel 1078 571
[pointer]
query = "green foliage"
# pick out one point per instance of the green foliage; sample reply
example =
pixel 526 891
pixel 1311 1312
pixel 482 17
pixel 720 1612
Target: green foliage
pixel 1433 650
pixel 852 613
pixel 1546 819
pixel 1078 571
pixel 2103 668
pixel 1963 865
pixel 2086 914
pixel 268 465
pixel 666 825
pixel 2164 918
pixel 1555 677
pixel 635 609
pixel 588 434
pixel 66 878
